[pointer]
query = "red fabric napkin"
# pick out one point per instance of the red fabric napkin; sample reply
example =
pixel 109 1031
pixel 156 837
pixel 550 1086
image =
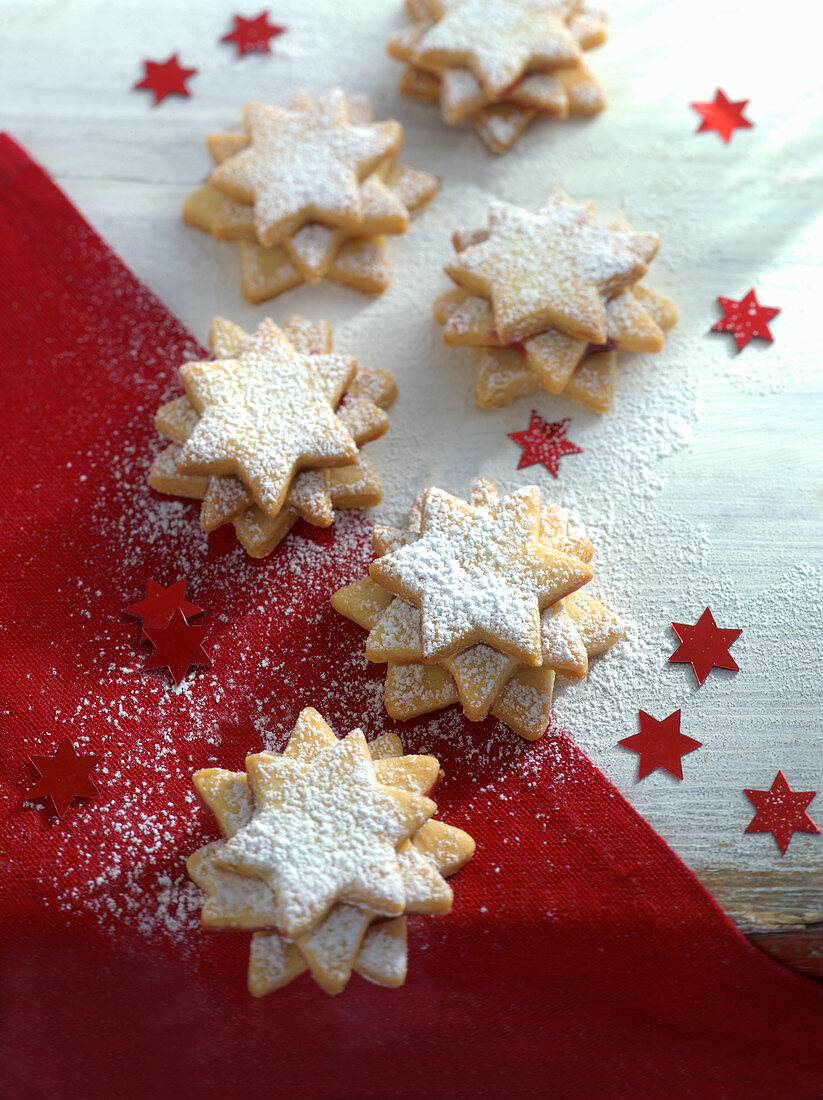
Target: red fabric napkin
pixel 582 959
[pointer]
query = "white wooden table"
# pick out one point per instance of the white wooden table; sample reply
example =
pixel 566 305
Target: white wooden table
pixel 702 486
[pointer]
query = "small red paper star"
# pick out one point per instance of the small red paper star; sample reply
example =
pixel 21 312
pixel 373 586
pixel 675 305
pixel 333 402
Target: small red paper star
pixel 722 115
pixel 746 319
pixel 544 442
pixel 660 745
pixel 704 646
pixel 250 35
pixel 781 811
pixel 64 777
pixel 178 646
pixel 165 78
pixel 161 603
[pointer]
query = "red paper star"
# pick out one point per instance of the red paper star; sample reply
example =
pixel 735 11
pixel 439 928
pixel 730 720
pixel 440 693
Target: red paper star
pixel 704 646
pixel 178 646
pixel 781 811
pixel 722 115
pixel 660 745
pixel 64 777
pixel 161 603
pixel 250 35
pixel 746 319
pixel 544 442
pixel 165 78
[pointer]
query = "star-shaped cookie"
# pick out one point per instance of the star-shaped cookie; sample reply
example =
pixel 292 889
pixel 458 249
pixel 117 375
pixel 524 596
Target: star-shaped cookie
pixel 480 574
pixel 356 255
pixel 263 415
pixel 325 831
pixel 313 493
pixel 346 938
pixel 304 165
pixel 554 269
pixel 501 63
pixel 502 312
pixel 499 40
pixel 484 678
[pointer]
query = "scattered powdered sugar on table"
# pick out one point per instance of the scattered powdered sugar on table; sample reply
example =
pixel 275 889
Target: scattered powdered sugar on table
pixel 618 509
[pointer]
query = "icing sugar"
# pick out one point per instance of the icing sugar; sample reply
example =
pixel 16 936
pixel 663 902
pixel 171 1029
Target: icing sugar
pixel 478 573
pixel 499 39
pixel 324 831
pixel 554 269
pixel 383 955
pixel 263 414
pixel 304 164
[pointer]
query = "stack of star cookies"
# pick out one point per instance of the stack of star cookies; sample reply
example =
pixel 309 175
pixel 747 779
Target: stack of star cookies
pixel 270 431
pixel 479 603
pixel 501 63
pixel 325 848
pixel 308 192
pixel 549 300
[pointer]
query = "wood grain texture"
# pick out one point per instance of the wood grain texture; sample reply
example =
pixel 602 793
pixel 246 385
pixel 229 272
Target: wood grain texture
pixel 734 510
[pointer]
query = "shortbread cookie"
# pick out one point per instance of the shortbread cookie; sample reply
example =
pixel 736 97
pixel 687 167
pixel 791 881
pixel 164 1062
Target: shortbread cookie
pixel 267 414
pixel 498 40
pixel 270 404
pixel 345 825
pixel 312 491
pixel 490 676
pixel 326 219
pixel 304 165
pixel 547 301
pixel 553 269
pixel 480 574
pixel 332 853
pixel 387 197
pixel 501 63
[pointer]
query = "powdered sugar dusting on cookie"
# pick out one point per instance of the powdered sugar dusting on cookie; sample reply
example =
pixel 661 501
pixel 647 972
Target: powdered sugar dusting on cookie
pixel 331 948
pixel 383 956
pixel 329 834
pixel 563 647
pixel 477 575
pixel 303 164
pixel 500 39
pixel 552 269
pixel 233 901
pixel 264 413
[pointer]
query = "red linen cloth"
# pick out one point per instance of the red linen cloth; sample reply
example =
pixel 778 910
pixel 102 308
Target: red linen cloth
pixel 581 960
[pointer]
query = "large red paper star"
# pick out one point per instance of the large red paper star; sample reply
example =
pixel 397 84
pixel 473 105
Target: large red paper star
pixel 781 811
pixel 178 646
pixel 722 115
pixel 660 745
pixel 746 319
pixel 704 646
pixel 165 78
pixel 545 443
pixel 64 777
pixel 250 35
pixel 161 603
